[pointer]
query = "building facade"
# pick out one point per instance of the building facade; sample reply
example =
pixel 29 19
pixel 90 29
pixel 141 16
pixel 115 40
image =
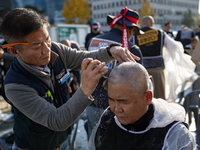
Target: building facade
pixel 51 8
pixel 165 10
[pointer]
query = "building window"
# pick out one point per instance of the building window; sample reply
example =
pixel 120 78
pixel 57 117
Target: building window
pixel 125 3
pixel 113 4
pixel 117 4
pixel 135 1
pixel 121 3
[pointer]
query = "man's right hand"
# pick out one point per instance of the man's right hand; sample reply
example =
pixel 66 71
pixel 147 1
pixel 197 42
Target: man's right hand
pixel 91 72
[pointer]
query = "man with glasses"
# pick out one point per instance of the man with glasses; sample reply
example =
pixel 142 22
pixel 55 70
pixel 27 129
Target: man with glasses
pixel 36 81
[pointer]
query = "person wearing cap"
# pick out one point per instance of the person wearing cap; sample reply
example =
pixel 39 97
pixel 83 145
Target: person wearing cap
pixel 135 120
pixel 95 30
pixel 36 83
pixel 123 27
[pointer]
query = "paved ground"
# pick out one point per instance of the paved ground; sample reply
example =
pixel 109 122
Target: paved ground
pixel 81 138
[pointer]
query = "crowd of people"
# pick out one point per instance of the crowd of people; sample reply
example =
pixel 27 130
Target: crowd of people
pixel 111 82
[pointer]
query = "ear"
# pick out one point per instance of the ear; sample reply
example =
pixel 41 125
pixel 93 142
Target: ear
pixel 152 24
pixel 13 51
pixel 149 97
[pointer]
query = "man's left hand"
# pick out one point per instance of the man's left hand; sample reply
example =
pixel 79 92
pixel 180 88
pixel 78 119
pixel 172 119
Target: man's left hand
pixel 121 54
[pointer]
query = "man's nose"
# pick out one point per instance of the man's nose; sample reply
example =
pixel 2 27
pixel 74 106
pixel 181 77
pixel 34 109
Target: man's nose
pixel 46 47
pixel 118 108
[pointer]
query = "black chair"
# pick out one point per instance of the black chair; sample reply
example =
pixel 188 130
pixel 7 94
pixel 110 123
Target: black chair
pixel 192 104
pixel 197 134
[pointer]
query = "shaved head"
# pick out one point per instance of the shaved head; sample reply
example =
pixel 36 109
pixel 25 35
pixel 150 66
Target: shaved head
pixel 147 21
pixel 131 73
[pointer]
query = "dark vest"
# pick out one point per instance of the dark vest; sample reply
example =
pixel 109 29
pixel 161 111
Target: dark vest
pixel 29 134
pixel 151 45
pixel 110 136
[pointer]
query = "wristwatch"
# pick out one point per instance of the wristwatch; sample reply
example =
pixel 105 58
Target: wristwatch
pixel 109 47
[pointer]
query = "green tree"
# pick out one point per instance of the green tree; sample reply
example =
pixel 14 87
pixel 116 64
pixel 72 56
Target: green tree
pixel 197 21
pixel 188 19
pixel 146 9
pixel 76 11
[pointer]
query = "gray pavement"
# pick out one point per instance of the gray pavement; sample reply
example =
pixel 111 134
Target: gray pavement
pixel 81 138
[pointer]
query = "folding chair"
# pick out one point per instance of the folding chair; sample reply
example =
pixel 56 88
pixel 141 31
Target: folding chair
pixel 192 104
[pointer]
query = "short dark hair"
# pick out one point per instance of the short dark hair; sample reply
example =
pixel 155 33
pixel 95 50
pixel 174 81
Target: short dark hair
pixel 167 23
pixel 20 22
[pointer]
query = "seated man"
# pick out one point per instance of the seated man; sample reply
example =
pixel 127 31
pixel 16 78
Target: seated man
pixel 136 120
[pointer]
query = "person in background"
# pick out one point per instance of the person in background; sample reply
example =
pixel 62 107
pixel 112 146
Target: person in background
pixel 167 29
pixel 36 83
pixel 184 35
pixel 137 120
pixel 151 49
pixel 192 44
pixel 95 30
pixel 115 35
